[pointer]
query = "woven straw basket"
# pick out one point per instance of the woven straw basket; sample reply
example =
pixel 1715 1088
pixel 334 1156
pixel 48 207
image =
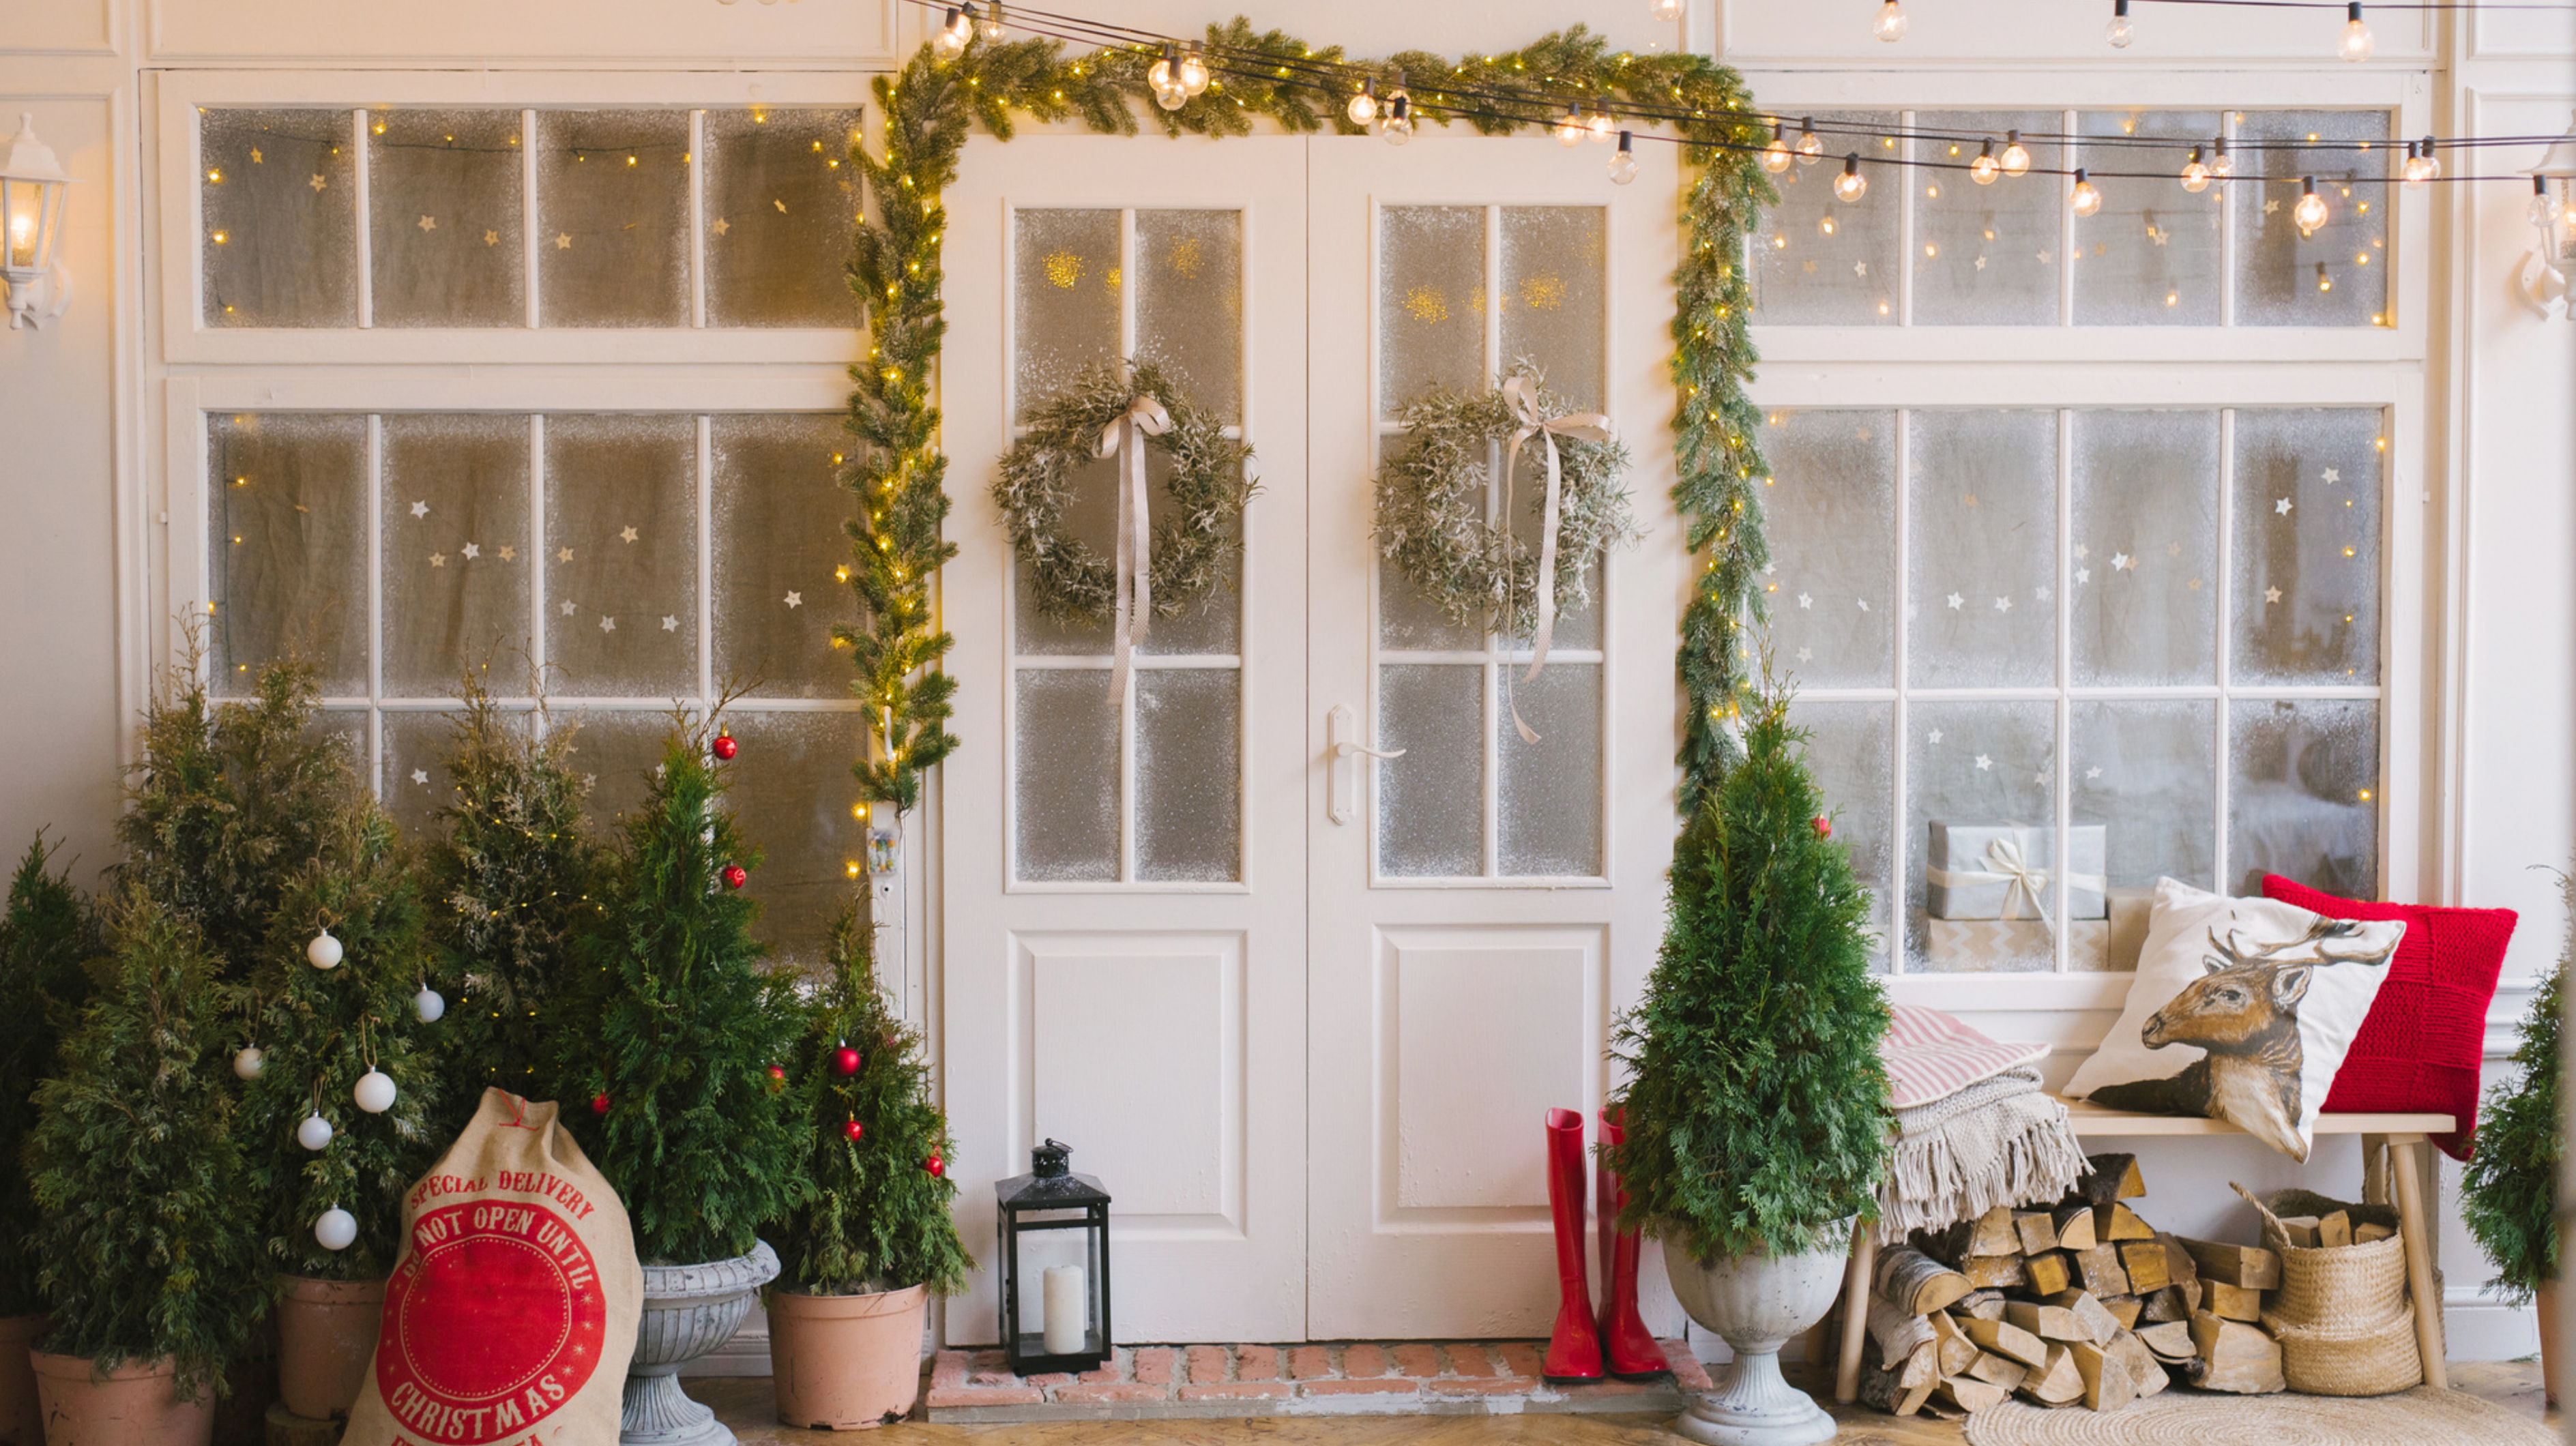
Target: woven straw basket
pixel 2341 1314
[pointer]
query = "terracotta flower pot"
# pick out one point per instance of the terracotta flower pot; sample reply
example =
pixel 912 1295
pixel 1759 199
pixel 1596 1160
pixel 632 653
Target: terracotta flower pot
pixel 326 1338
pixel 22 1420
pixel 2549 1357
pixel 137 1404
pixel 846 1362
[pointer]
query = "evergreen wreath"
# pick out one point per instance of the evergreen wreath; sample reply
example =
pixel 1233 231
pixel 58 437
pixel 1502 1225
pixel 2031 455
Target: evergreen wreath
pixel 1431 519
pixel 1072 582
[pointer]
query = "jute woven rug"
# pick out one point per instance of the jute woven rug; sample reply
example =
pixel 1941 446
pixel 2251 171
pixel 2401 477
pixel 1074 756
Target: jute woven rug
pixel 2179 1417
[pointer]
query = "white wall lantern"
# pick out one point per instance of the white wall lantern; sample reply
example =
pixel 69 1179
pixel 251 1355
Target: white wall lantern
pixel 2543 280
pixel 32 189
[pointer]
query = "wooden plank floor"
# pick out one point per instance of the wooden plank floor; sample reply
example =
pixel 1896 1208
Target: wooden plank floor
pixel 744 1404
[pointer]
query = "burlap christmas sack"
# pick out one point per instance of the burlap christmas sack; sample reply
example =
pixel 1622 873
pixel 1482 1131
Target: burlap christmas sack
pixel 511 1316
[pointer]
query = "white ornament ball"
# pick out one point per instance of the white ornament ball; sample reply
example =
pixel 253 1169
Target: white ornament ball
pixel 430 1005
pixel 314 1133
pixel 247 1063
pixel 336 1229
pixel 324 951
pixel 375 1092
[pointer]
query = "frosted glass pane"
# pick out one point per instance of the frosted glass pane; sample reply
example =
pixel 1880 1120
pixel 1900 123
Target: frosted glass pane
pixel 2339 275
pixel 2151 256
pixel 447 199
pixel 289 503
pixel 1431 802
pixel 622 555
pixel 617 752
pixel 1189 774
pixel 1847 751
pixel 2307 547
pixel 1430 302
pixel 1551 790
pixel 1983 547
pixel 1555 306
pixel 613 209
pixel 413 780
pixel 456 566
pixel 2303 795
pixel 280 196
pixel 1975 763
pixel 1066 310
pixel 1822 262
pixel 1578 601
pixel 792 794
pixel 782 200
pixel 1189 303
pixel 1831 510
pixel 1983 255
pixel 346 730
pixel 2146 771
pixel 1209 623
pixel 782 554
pixel 1408 619
pixel 1066 783
pixel 2145 563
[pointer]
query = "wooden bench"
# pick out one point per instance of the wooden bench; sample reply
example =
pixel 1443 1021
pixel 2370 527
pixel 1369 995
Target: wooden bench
pixel 2406 1163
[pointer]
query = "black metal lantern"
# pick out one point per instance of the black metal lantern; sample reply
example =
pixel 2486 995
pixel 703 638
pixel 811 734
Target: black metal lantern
pixel 1055 1266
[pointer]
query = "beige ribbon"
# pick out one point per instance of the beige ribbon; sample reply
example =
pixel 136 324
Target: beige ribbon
pixel 1520 394
pixel 2006 865
pixel 1124 439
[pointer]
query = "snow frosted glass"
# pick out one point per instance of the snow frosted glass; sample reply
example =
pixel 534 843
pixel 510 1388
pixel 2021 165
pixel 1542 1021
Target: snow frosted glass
pixel 458 559
pixel 782 201
pixel 1983 255
pixel 1555 306
pixel 1549 793
pixel 1430 802
pixel 612 217
pixel 1189 303
pixel 280 196
pixel 2339 275
pixel 1818 261
pixel 622 554
pixel 2307 547
pixel 1407 619
pixel 1974 763
pixel 447 202
pixel 792 794
pixel 2144 569
pixel 2144 770
pixel 2303 795
pixel 615 752
pixel 781 553
pixel 1189 809
pixel 1431 303
pixel 1830 506
pixel 412 776
pixel 289 545
pixel 1066 306
pixel 1983 545
pixel 2152 255
pixel 1847 751
pixel 1065 790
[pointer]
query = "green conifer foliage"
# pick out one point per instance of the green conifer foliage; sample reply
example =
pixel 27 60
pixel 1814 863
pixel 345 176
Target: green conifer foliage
pixel 2508 1191
pixel 678 1027
pixel 879 1219
pixel 1757 1111
pixel 145 1249
pixel 322 1029
pixel 47 938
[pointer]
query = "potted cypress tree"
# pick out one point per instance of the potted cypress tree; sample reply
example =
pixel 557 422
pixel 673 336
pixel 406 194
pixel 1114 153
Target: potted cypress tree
pixel 876 1239
pixel 1757 1115
pixel 679 1028
pixel 48 935
pixel 147 1261
pixel 2508 1192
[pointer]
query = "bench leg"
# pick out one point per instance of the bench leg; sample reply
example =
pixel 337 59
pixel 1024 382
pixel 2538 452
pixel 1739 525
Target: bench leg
pixel 2406 1165
pixel 1864 1256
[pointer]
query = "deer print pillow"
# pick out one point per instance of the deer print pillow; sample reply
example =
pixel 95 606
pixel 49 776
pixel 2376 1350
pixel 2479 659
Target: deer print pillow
pixel 2242 1011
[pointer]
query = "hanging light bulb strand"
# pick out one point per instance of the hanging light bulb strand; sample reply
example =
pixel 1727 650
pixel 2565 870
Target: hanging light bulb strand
pixel 2119 32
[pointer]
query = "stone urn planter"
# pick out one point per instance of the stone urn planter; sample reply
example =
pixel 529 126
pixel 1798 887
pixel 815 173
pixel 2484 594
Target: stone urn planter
pixel 689 1310
pixel 137 1404
pixel 22 1420
pixel 1755 1304
pixel 846 1362
pixel 326 1339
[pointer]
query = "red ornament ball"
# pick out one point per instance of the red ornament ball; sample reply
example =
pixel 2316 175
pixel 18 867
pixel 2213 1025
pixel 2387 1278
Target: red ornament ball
pixel 725 746
pixel 777 1079
pixel 735 875
pixel 1824 827
pixel 936 1166
pixel 854 1129
pixel 845 1061
pixel 599 1104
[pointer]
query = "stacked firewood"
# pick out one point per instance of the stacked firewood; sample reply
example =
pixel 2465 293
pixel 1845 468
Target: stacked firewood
pixel 2078 1304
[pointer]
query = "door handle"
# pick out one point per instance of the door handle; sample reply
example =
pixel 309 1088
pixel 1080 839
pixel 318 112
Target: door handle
pixel 1341 754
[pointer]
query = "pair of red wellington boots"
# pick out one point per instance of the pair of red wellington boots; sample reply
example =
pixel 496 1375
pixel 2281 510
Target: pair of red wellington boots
pixel 1584 1345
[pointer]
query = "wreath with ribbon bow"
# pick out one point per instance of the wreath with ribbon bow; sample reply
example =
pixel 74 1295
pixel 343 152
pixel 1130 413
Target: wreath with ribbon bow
pixel 1154 570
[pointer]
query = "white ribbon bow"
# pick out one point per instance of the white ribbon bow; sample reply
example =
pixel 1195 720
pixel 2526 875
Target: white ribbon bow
pixel 1520 394
pixel 2023 883
pixel 1125 438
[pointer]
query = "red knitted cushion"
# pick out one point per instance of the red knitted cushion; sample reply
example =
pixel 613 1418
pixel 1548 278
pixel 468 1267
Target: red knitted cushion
pixel 2421 1044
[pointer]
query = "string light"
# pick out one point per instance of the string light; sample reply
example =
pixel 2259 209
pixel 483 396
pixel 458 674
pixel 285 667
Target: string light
pixel 1603 132
pixel 2357 41
pixel 2421 164
pixel 1890 24
pixel 1668 10
pixel 2195 173
pixel 993 22
pixel 954 34
pixel 1194 71
pixel 1623 161
pixel 2220 167
pixel 1775 156
pixel 1398 127
pixel 1161 77
pixel 1851 185
pixel 1810 145
pixel 2016 157
pixel 1363 107
pixel 2086 198
pixel 2119 32
pixel 1985 167
pixel 1569 131
pixel 2311 211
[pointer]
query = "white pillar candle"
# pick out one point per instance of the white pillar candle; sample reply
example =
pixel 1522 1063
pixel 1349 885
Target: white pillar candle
pixel 1068 1298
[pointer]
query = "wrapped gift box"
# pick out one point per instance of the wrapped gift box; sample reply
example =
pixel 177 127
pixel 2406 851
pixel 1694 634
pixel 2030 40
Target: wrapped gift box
pixel 2006 871
pixel 1970 946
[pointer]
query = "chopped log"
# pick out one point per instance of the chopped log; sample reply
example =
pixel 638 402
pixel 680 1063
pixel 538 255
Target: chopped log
pixel 2145 1375
pixel 1914 1282
pixel 2178 1262
pixel 2048 1322
pixel 2098 1322
pixel 2169 1341
pixel 2366 1231
pixel 2047 1272
pixel 2334 1230
pixel 2239 1357
pixel 1896 1332
pixel 2165 1306
pixel 1994 1272
pixel 1953 1350
pixel 2058 1383
pixel 1980 1305
pixel 1993 1234
pixel 2125 1309
pixel 2250 1266
pixel 2145 1262
pixel 1968 1394
pixel 1899 1390
pixel 2191 1292
pixel 2301 1230
pixel 1995 1370
pixel 2116 1221
pixel 2110 1177
pixel 2100 1272
pixel 2107 1386
pixel 2074 1226
pixel 2233 1302
pixel 2037 1231
pixel 2006 1339
pixel 1921 1368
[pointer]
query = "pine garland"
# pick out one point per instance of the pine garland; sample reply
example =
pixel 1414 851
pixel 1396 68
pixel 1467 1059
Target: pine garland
pixel 47 938
pixel 931 105
pixel 2509 1189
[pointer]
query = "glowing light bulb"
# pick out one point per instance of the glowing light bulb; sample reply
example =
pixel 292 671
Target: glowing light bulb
pixel 993 21
pixel 1569 131
pixel 1890 24
pixel 2421 164
pixel 2220 167
pixel 22 239
pixel 1775 156
pixel 2086 198
pixel 1601 128
pixel 1668 10
pixel 2357 41
pixel 1985 167
pixel 2195 173
pixel 1194 72
pixel 2119 32
pixel 953 34
pixel 1363 107
pixel 1851 185
pixel 2016 157
pixel 1164 74
pixel 1623 161
pixel 2311 211
pixel 1172 97
pixel 1811 147
pixel 1398 126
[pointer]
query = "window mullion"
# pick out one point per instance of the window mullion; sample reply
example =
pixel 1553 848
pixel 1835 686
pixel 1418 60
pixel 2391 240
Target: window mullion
pixel 528 222
pixel 2069 151
pixel 366 240
pixel 375 495
pixel 706 557
pixel 2064 707
pixel 2226 657
pixel 1900 739
pixel 537 548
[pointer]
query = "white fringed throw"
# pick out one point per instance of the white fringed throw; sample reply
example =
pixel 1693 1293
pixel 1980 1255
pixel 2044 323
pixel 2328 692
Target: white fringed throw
pixel 2002 1141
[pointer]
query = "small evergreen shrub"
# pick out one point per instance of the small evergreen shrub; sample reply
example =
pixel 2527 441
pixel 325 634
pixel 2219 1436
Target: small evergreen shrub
pixel 2508 1190
pixel 48 936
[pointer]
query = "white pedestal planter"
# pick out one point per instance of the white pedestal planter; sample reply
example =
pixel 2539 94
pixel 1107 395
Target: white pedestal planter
pixel 1755 1304
pixel 689 1310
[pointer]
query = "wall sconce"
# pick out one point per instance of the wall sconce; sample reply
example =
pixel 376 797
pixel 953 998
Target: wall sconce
pixel 2542 281
pixel 32 187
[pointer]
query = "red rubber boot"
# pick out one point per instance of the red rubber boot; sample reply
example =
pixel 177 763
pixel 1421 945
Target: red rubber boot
pixel 1627 1347
pixel 1574 1346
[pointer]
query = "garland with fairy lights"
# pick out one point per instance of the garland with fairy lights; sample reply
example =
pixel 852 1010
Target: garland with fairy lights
pixel 971 74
